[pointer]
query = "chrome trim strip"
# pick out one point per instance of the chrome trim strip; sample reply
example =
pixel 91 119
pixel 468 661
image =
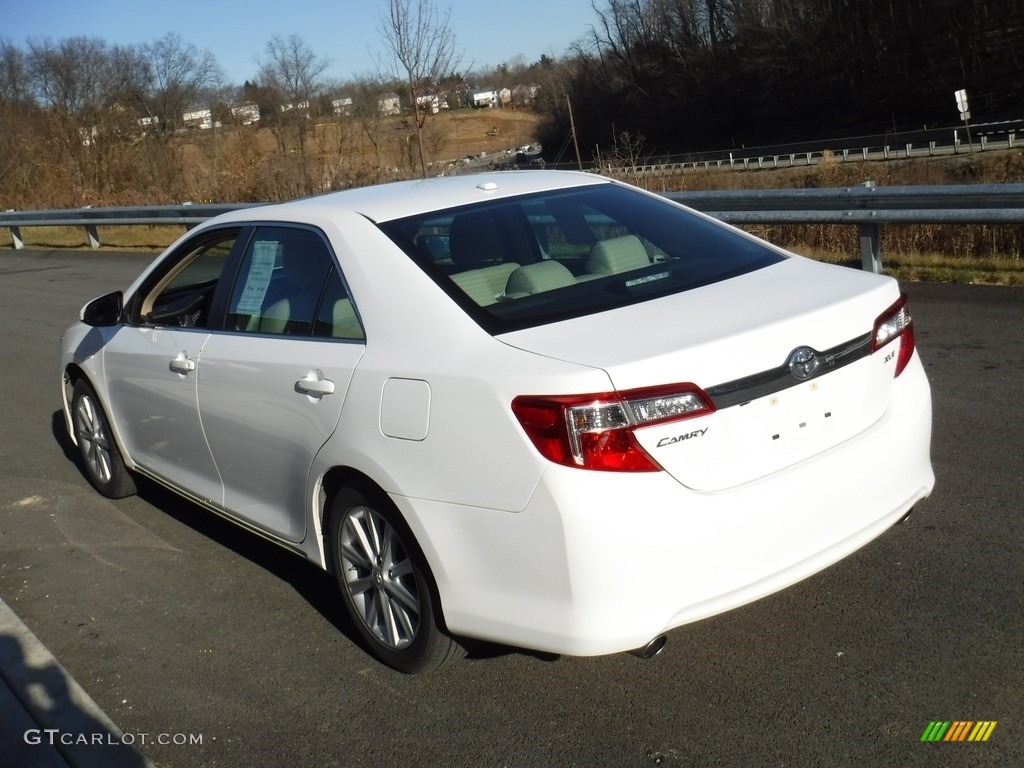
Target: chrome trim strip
pixel 742 391
pixel 216 509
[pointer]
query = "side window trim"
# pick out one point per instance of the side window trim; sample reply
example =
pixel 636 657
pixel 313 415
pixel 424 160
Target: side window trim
pixel 226 290
pixel 221 297
pixel 170 266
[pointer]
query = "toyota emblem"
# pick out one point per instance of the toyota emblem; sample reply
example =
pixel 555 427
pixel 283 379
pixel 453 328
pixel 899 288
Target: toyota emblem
pixel 803 362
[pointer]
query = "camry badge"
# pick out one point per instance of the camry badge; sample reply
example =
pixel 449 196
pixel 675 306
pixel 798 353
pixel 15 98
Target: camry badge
pixel 803 362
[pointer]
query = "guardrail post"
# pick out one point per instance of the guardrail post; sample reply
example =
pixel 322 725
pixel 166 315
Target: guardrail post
pixel 864 153
pixel 16 237
pixel 909 147
pixel 871 247
pixel 93 235
pixel 931 148
pixel 792 160
pixel 885 152
pixel 808 158
pixel 846 155
pixel 1009 140
pixel 984 143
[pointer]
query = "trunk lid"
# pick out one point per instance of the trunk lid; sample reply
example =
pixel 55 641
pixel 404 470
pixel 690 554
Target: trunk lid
pixel 735 339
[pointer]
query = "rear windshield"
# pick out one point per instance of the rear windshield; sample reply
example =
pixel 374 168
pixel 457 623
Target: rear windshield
pixel 536 259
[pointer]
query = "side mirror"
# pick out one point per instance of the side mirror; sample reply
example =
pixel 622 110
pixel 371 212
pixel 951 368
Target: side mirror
pixel 105 310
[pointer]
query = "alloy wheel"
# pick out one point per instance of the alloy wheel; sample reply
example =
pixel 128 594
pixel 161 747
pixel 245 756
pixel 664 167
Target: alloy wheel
pixel 379 577
pixel 93 439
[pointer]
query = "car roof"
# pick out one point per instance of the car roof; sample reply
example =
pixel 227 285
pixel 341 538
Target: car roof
pixel 396 200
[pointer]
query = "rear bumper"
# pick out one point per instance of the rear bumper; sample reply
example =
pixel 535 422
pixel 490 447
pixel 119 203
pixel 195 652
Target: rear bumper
pixel 603 562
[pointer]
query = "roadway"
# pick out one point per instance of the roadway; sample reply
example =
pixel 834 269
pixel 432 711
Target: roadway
pixel 177 623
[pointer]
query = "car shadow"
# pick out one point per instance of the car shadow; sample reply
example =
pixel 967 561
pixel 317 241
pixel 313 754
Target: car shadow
pixel 314 585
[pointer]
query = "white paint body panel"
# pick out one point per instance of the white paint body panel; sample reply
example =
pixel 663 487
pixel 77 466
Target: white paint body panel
pixel 524 551
pixel 615 560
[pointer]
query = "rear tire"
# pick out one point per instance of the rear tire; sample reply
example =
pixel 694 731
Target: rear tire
pixel 104 466
pixel 386 585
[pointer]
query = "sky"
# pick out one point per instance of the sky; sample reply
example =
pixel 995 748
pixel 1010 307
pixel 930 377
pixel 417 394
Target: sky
pixel 487 32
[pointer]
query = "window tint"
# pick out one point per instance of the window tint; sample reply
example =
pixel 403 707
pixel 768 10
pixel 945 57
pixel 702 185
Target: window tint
pixel 281 281
pixel 182 295
pixel 337 316
pixel 541 258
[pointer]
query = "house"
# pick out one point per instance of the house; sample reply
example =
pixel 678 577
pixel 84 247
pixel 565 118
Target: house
pixel 246 114
pixel 200 118
pixel 389 104
pixel 430 104
pixel 483 98
pixel 89 135
pixel 523 95
pixel 302 106
pixel 342 106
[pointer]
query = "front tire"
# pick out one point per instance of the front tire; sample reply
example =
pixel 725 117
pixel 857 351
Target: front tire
pixel 386 585
pixel 104 466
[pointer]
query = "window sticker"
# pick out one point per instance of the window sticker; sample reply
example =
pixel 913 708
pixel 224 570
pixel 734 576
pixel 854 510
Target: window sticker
pixel 264 256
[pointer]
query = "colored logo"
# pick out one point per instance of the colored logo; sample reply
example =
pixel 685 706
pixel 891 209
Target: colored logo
pixel 958 730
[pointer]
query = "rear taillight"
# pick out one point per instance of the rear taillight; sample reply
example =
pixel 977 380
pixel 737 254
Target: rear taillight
pixel 596 431
pixel 892 325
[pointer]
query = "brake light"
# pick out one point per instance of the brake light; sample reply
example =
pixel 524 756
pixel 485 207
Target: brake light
pixel 596 431
pixel 896 323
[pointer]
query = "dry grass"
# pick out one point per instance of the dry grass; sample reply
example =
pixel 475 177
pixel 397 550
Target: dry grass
pixel 114 238
pixel 946 253
pixel 248 165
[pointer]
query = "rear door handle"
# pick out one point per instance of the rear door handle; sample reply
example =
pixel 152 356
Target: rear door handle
pixel 183 364
pixel 315 385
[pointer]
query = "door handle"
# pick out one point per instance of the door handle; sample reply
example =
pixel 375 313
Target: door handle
pixel 182 364
pixel 315 385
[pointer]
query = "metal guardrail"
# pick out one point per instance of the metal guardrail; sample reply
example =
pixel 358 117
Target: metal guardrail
pixel 867 206
pixel 781 157
pixel 186 215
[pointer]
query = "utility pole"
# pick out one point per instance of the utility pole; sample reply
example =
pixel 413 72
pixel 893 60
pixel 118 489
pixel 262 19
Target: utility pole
pixel 572 130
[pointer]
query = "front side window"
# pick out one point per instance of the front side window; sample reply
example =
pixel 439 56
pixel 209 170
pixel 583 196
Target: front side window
pixel 541 258
pixel 288 284
pixel 182 294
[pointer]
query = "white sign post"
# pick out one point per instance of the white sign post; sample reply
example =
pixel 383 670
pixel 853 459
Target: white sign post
pixel 965 113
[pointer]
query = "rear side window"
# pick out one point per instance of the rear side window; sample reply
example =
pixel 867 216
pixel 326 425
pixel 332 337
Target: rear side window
pixel 531 260
pixel 288 284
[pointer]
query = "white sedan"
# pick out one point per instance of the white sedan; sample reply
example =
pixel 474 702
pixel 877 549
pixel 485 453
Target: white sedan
pixel 538 408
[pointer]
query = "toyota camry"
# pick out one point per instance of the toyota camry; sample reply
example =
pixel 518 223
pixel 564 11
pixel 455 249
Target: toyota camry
pixel 543 409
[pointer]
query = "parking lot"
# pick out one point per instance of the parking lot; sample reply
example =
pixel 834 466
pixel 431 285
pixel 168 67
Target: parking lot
pixel 178 623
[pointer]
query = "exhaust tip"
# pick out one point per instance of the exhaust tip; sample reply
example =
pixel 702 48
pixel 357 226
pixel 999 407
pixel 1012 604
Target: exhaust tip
pixel 651 649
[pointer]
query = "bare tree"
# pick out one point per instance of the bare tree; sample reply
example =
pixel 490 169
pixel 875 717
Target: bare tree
pixel 421 45
pixel 293 69
pixel 14 87
pixel 293 73
pixel 178 73
pixel 69 75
